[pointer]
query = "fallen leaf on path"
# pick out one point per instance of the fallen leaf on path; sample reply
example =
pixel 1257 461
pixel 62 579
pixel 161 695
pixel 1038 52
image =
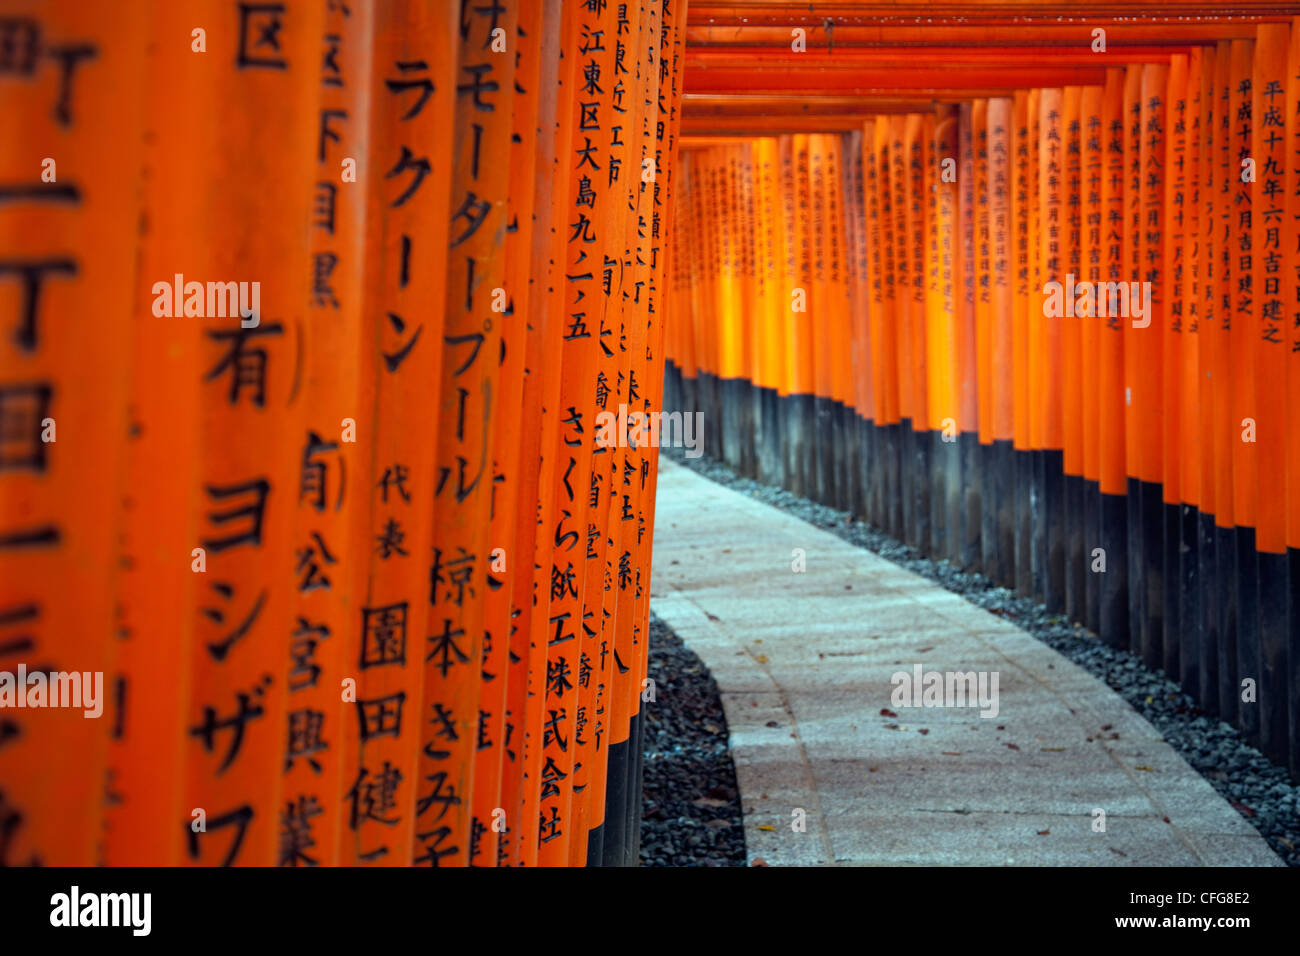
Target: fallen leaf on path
pixel 709 802
pixel 768 828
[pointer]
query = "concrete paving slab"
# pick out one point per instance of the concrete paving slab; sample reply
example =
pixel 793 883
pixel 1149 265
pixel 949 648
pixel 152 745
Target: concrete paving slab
pixel 833 771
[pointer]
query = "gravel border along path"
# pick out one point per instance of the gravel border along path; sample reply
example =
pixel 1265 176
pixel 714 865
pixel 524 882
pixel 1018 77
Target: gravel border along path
pixel 691 810
pixel 1255 787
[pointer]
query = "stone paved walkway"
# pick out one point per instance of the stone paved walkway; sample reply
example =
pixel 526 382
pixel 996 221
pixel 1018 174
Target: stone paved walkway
pixel 804 663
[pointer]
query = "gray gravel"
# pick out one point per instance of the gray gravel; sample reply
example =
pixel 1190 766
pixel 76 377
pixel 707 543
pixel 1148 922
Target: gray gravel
pixel 691 807
pixel 1258 789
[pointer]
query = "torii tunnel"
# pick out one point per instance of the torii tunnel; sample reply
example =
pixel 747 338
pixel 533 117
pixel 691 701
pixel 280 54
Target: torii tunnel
pixel 341 339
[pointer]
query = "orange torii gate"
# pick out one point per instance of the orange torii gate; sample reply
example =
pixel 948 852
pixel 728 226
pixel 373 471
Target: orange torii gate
pixel 1044 233
pixel 321 505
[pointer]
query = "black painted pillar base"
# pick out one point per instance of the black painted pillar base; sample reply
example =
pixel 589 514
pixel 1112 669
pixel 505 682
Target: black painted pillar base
pixel 1076 570
pixel 1091 542
pixel 1274 694
pixel 616 797
pixel 1225 555
pixel 1114 599
pixel 1136 565
pixel 1171 603
pixel 1293 656
pixel 1053 512
pixel 1191 621
pixel 1023 517
pixel 1248 657
pixel 1153 563
pixel 922 469
pixel 968 501
pixel 1212 597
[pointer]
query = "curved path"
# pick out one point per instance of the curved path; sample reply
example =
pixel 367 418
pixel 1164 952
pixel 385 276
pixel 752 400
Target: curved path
pixel 804 662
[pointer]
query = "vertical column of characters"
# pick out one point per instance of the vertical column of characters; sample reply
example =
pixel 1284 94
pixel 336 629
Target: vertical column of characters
pixel 592 199
pixel 940 341
pixel 836 323
pixel 730 344
pixel 1026 299
pixel 1111 457
pixel 1173 276
pixel 996 266
pixel 250 423
pixel 154 618
pixel 496 747
pixel 1190 257
pixel 818 439
pixel 917 133
pixel 684 260
pixel 405 165
pixel 1263 328
pixel 837 273
pixel 788 277
pixel 1146 333
pixel 850 151
pixel 70 85
pixel 1291 342
pixel 857 144
pixel 881 238
pixel 557 115
pixel 327 576
pixel 772 290
pixel 708 233
pixel 966 295
pixel 470 409
pixel 803 308
pixel 819 289
pixel 546 80
pixel 903 265
pixel 1092 142
pixel 748 299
